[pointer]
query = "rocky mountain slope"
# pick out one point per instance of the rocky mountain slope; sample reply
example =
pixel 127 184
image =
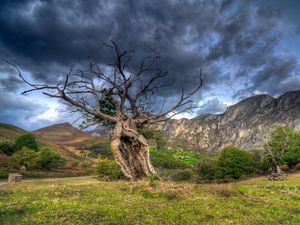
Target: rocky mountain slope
pixel 246 124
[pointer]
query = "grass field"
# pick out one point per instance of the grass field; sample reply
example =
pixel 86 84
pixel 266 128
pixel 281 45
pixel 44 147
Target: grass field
pixel 89 201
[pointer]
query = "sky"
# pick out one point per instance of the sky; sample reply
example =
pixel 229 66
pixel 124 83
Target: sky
pixel 245 48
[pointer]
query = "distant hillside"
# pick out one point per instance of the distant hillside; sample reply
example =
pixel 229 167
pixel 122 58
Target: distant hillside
pixel 10 132
pixel 246 124
pixel 65 134
pixel 63 138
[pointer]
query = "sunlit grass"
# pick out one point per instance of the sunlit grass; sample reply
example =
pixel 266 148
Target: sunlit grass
pixel 90 201
pixel 188 157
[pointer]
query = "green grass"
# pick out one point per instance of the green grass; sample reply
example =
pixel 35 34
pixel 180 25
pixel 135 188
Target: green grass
pixel 89 201
pixel 188 157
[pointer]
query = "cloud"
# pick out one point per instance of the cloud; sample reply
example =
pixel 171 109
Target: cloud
pixel 18 110
pixel 212 106
pixel 31 114
pixel 239 44
pixel 47 37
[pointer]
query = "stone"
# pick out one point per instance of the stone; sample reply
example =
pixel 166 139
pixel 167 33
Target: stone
pixel 277 176
pixel 15 177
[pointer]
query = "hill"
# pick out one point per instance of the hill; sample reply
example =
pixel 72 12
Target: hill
pixel 10 132
pixel 64 134
pixel 63 139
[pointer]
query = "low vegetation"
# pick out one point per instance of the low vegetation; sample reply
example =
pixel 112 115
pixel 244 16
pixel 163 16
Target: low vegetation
pixel 232 164
pixel 109 169
pixel 90 201
pixel 26 154
pixel 173 197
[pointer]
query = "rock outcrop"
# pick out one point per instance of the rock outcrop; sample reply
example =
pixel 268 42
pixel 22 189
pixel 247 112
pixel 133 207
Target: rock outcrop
pixel 246 124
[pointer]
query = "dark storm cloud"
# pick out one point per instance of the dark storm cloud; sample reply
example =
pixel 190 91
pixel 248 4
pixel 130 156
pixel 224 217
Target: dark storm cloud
pixel 10 83
pixel 47 37
pixel 212 106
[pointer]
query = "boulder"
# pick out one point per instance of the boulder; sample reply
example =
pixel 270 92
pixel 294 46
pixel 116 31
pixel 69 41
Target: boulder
pixel 14 177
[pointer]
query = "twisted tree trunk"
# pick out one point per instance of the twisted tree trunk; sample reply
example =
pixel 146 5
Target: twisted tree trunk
pixel 131 151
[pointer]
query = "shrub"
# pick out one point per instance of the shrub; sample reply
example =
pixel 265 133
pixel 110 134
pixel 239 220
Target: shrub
pixel 182 175
pixel 207 169
pixel 7 148
pixel 234 163
pixel 166 160
pixel 44 158
pixel 109 169
pixel 26 140
pixel 85 164
pixel 28 158
pixel 51 159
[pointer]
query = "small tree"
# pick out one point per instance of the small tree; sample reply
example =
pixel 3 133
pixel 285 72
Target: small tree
pixel 234 163
pixel 132 86
pixel 50 159
pixel 283 148
pixel 26 140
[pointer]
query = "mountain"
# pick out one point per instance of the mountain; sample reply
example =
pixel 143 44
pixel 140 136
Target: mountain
pixel 62 138
pixel 246 124
pixel 64 134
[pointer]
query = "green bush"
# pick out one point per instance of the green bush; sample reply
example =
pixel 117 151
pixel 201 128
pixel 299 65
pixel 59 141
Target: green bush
pixel 50 159
pixel 26 140
pixel 166 160
pixel 207 169
pixel 234 163
pixel 182 175
pixel 7 148
pixel 44 158
pixel 28 158
pixel 109 169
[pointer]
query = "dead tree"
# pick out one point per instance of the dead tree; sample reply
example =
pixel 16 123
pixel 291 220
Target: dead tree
pixel 133 87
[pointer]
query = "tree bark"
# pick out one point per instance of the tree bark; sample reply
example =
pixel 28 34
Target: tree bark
pixel 131 151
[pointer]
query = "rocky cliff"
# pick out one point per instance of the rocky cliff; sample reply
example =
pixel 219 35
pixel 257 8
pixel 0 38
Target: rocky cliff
pixel 246 124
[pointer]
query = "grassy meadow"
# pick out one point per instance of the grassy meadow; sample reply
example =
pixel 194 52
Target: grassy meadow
pixel 91 201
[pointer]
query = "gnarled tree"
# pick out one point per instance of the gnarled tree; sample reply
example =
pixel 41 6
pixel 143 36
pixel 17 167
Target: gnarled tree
pixel 131 87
